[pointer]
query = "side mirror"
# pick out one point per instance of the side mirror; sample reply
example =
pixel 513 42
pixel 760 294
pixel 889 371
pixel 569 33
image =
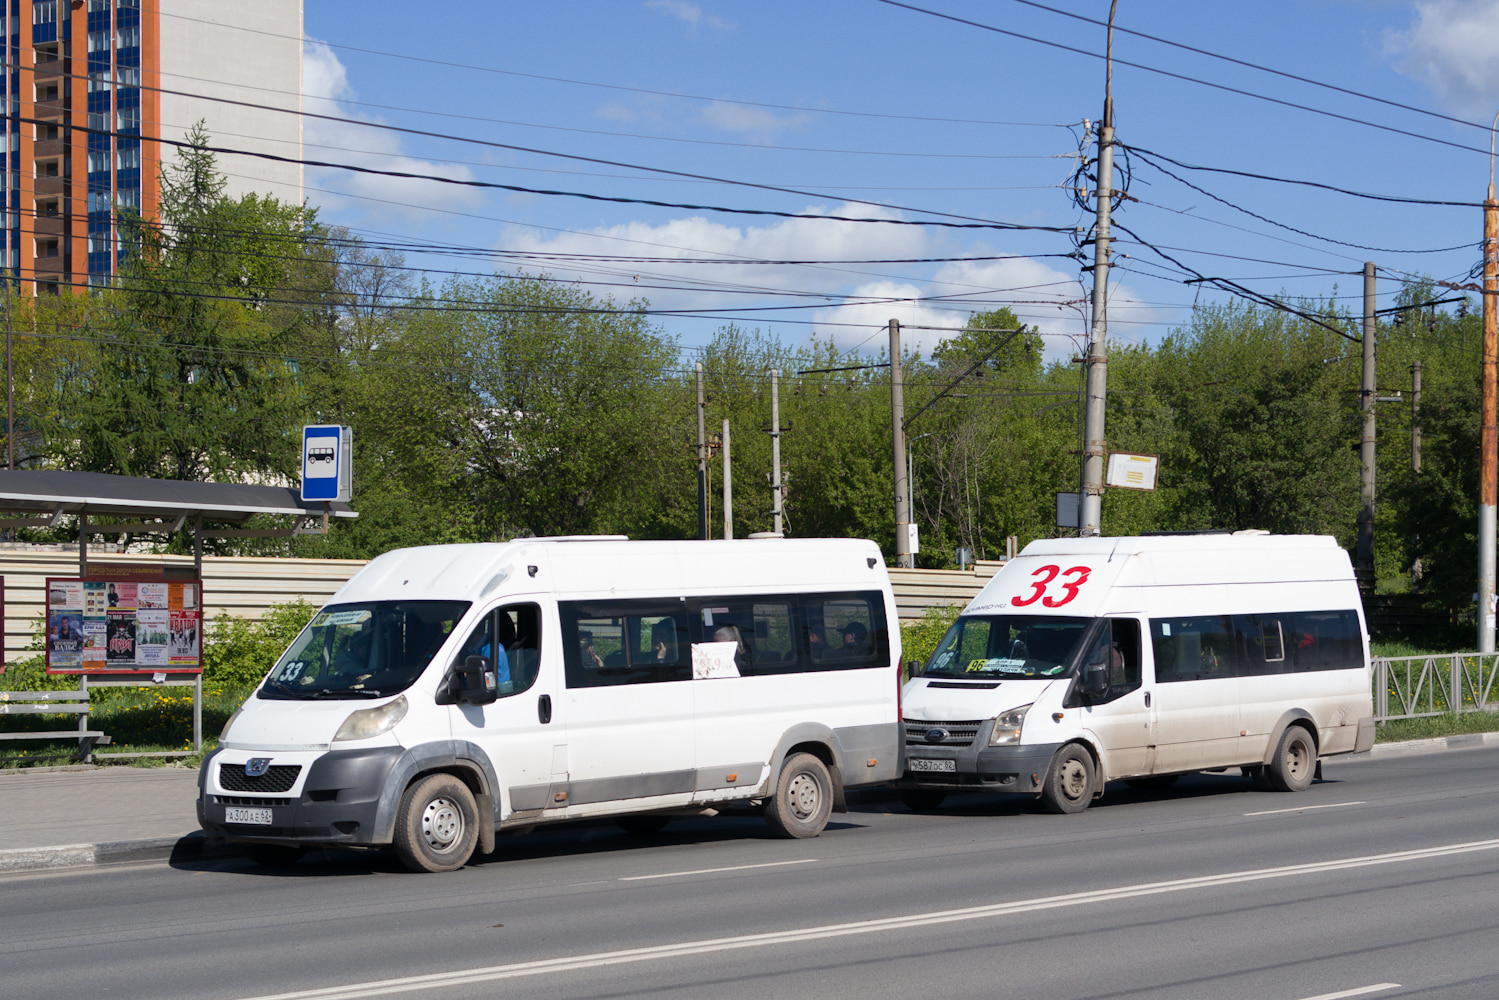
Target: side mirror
pixel 1096 680
pixel 479 687
pixel 913 668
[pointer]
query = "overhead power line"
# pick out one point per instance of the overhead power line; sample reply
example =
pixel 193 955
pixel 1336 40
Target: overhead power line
pixel 1185 78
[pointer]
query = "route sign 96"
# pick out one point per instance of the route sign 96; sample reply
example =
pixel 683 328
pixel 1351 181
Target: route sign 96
pixel 327 463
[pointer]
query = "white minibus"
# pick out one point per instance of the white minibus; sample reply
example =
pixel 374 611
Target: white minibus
pixel 448 692
pixel 1087 660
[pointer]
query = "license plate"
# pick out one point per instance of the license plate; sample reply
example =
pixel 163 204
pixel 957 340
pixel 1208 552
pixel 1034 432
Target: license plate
pixel 928 764
pixel 249 817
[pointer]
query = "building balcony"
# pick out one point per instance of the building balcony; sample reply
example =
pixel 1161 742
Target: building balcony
pixel 50 109
pixel 46 186
pixel 46 148
pixel 50 225
pixel 48 69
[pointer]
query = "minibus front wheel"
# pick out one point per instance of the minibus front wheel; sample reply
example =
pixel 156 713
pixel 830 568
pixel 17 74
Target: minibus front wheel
pixel 437 825
pixel 1068 787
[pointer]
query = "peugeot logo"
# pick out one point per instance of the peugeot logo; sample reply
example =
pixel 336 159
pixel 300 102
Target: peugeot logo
pixel 256 767
pixel 937 735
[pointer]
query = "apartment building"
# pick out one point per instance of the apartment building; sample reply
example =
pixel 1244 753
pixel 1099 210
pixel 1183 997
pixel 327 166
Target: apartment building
pixel 93 87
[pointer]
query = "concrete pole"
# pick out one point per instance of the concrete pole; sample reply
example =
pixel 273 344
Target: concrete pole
pixel 1416 417
pixel 10 390
pixel 728 487
pixel 1367 395
pixel 898 441
pixel 775 449
pixel 1488 460
pixel 1091 514
pixel 702 460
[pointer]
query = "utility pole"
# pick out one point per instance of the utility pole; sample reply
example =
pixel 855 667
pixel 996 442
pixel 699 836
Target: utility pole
pixel 1488 460
pixel 898 438
pixel 702 460
pixel 775 448
pixel 10 391
pixel 728 486
pixel 1091 502
pixel 1367 395
pixel 1417 570
pixel 1416 417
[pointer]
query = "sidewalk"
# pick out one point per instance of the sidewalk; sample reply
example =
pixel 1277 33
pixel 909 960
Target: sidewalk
pixel 83 816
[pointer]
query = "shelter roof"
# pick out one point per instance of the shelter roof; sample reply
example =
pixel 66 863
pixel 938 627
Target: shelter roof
pixel 100 493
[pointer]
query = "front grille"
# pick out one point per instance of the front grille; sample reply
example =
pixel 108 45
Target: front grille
pixel 247 800
pixel 958 733
pixel 277 778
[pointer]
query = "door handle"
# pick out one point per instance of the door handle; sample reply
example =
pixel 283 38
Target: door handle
pixel 544 708
pixel 1147 699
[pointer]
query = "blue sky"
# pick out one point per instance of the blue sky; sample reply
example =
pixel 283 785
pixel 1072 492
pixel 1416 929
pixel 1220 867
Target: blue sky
pixel 849 100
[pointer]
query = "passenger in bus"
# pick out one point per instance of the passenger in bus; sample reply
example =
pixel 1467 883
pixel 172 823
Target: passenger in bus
pixel 854 642
pixel 731 633
pixel 664 641
pixel 816 648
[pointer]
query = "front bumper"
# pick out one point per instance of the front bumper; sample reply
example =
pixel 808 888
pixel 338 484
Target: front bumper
pixel 979 767
pixel 333 800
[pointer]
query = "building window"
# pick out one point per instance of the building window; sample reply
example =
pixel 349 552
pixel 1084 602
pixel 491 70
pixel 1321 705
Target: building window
pixel 98 159
pixel 98 201
pixel 129 118
pixel 98 81
pixel 128 37
pixel 128 76
pixel 129 159
pixel 129 198
pixel 99 242
pixel 98 122
pixel 95 5
pixel 44 12
pixel 98 41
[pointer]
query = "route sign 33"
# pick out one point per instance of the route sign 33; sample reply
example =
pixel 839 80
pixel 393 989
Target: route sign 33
pixel 327 463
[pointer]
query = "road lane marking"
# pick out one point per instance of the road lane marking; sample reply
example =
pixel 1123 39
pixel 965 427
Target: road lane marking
pixel 802 935
pixel 1361 991
pixel 1297 809
pixel 711 871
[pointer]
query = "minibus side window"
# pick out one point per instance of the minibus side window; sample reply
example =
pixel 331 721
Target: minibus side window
pixel 854 631
pixel 1191 649
pixel 509 641
pixel 1117 646
pixel 1261 641
pixel 764 628
pixel 1324 640
pixel 609 643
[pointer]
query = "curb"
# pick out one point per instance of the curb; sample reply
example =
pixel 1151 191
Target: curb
pixel 1408 748
pixel 191 847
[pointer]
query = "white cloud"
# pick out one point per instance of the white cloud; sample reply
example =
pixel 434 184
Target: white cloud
pixel 1452 46
pixel 759 122
pixel 325 89
pixel 857 300
pixel 689 13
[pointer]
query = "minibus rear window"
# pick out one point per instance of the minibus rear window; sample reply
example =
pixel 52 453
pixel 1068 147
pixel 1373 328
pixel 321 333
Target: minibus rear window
pixel 363 650
pixel 1019 647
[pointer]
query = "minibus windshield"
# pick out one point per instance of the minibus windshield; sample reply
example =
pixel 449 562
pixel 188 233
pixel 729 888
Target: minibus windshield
pixel 1019 647
pixel 363 650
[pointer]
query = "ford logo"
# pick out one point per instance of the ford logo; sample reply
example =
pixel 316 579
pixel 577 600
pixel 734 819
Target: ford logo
pixel 937 735
pixel 256 767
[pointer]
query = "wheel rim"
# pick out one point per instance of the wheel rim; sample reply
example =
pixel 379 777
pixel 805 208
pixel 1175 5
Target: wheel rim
pixel 442 824
pixel 1297 757
pixel 1074 780
pixel 804 796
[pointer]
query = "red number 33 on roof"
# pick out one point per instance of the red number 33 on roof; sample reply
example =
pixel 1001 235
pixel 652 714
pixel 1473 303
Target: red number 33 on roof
pixel 1045 575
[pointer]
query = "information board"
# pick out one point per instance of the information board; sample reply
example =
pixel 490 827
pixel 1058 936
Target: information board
pixel 124 626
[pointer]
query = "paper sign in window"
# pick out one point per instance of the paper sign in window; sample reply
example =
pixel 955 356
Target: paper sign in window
pixel 713 659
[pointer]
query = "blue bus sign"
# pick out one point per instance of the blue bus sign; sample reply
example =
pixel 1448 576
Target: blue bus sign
pixel 327 463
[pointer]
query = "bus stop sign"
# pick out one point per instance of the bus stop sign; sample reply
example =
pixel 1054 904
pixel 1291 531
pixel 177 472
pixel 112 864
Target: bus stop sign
pixel 327 463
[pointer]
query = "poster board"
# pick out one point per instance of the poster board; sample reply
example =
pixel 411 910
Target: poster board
pixel 124 624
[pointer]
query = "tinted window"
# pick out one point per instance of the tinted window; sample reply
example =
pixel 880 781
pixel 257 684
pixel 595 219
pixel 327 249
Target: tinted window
pixel 625 642
pixel 1191 649
pixel 1324 640
pixel 509 641
pixel 1255 645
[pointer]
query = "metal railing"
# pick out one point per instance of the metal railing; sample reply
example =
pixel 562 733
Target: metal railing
pixel 1409 687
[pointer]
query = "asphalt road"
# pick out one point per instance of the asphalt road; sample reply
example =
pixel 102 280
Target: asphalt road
pixel 1380 881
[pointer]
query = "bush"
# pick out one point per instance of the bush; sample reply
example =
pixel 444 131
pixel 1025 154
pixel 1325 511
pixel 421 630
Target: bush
pixel 237 652
pixel 918 639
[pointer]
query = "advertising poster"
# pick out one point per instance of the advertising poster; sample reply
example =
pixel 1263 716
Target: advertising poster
pixel 124 626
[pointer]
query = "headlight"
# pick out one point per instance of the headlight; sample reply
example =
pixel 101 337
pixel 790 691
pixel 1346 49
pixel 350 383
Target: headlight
pixel 224 733
pixel 1007 726
pixel 367 723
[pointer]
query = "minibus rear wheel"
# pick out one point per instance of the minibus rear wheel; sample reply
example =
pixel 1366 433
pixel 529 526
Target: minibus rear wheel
pixel 437 824
pixel 1295 761
pixel 803 799
pixel 1069 784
